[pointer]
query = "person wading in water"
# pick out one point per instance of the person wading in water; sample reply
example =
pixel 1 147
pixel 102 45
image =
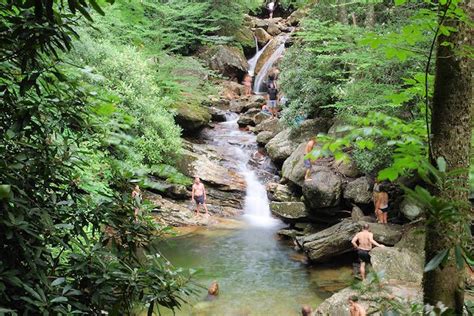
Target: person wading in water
pixel 198 195
pixel 363 242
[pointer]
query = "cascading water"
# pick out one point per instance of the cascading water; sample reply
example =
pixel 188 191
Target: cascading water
pixel 238 147
pixel 253 61
pixel 262 74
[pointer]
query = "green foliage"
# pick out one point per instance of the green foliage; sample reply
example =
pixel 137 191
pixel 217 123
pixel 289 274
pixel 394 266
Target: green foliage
pixel 72 139
pixel 370 161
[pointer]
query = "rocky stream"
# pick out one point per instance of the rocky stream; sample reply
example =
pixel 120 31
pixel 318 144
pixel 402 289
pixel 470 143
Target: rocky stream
pixel 274 241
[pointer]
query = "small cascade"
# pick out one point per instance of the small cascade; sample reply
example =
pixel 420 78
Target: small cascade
pixel 262 74
pixel 253 61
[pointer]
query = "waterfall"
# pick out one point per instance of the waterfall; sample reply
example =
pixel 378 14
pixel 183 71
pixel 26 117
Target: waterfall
pixel 256 207
pixel 262 74
pixel 253 61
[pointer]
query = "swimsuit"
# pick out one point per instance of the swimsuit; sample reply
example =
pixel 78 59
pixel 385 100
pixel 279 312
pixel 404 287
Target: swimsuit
pixel 363 255
pixel 384 209
pixel 199 199
pixel 307 163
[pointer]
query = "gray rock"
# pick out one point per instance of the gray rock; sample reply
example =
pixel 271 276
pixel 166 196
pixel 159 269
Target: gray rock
pixel 171 190
pixel 217 115
pixel 191 117
pixel 228 60
pixel 323 190
pixel 280 192
pixel 248 118
pixel 273 29
pixel 346 168
pixel 410 209
pixel 358 191
pixel 291 233
pixel 296 16
pixel 336 240
pixel 402 293
pixel 286 141
pixel 262 36
pixel 293 167
pixel 357 213
pixel 270 125
pixel 289 211
pixel 192 163
pixel 264 137
pixel 398 264
pixel 260 117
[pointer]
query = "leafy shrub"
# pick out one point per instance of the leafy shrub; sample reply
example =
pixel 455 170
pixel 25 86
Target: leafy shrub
pixel 372 161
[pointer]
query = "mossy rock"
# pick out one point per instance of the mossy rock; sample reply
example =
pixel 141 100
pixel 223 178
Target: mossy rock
pixel 191 117
pixel 244 36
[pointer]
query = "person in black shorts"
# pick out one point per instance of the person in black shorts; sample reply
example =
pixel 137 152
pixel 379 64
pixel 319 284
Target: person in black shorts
pixel 198 195
pixel 363 242
pixel 272 95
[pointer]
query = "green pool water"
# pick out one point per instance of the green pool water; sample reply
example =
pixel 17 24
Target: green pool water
pixel 258 274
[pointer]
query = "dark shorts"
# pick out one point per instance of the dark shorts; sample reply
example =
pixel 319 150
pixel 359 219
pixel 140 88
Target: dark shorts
pixel 384 210
pixel 307 163
pixel 363 255
pixel 199 199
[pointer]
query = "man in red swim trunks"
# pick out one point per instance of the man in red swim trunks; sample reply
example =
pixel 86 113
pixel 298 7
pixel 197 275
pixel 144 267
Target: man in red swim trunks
pixel 363 242
pixel 198 195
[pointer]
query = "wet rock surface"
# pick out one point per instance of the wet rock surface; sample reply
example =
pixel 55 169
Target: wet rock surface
pixel 290 211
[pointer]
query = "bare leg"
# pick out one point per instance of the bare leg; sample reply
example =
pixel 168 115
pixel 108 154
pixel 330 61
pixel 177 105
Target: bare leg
pixel 205 207
pixel 385 217
pixel 362 270
pixel 307 175
pixel 197 209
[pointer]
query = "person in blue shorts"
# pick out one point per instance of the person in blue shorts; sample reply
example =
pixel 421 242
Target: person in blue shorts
pixel 307 162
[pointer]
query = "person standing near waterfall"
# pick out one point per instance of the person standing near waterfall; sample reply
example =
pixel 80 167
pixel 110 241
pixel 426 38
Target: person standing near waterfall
pixel 198 195
pixel 271 7
pixel 272 95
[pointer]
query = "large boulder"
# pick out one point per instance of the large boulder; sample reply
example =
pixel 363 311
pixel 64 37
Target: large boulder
pixel 346 168
pixel 197 164
pixel 402 294
pixel 293 167
pixel 296 16
pixel 410 209
pixel 336 240
pixel 230 90
pixel 191 117
pixel 248 118
pixel 289 211
pixel 273 29
pixel 398 264
pixel 228 60
pixel 286 141
pixel 268 51
pixel 262 36
pixel 358 191
pixel 245 37
pixel 264 137
pixel 280 193
pixel 271 124
pixel 323 190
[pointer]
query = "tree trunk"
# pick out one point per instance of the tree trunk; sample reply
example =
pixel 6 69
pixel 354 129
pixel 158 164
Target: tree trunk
pixel 370 17
pixel 451 138
pixel 342 12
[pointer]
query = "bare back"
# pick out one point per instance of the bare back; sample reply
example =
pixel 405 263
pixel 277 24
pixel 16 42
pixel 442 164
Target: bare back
pixel 357 310
pixel 309 146
pixel 364 240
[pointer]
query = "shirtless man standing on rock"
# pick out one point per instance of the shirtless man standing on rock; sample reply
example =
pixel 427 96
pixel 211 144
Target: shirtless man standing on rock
pixel 198 195
pixel 363 242
pixel 307 162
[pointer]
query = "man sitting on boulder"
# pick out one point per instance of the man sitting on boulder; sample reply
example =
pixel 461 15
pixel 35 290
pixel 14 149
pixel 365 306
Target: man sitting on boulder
pixel 198 194
pixel 363 242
